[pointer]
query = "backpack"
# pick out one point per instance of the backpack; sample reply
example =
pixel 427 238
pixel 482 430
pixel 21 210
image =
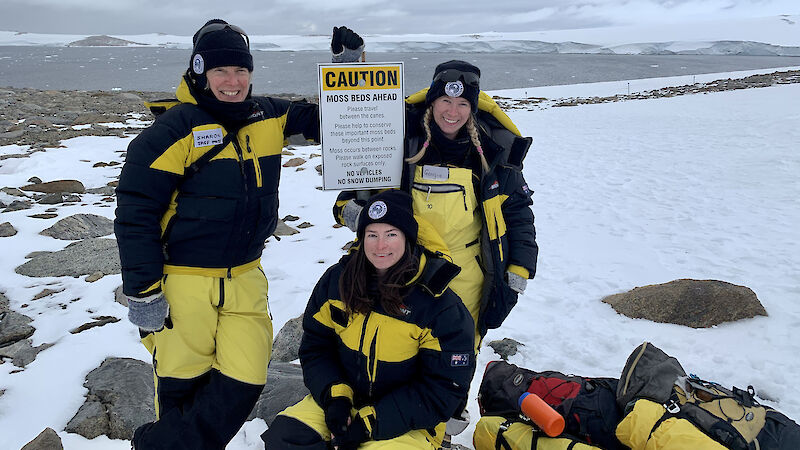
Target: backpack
pixel 664 409
pixel 588 405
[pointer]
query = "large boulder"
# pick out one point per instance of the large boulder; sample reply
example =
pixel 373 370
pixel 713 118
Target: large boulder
pixel 693 303
pixel 46 440
pixel 79 258
pixel 120 399
pixel 6 229
pixel 80 226
pixel 71 186
pixel 287 342
pixel 284 388
pixel 14 327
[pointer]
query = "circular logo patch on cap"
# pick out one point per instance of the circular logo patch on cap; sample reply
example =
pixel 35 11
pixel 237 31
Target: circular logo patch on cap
pixel 198 65
pixel 377 210
pixel 454 88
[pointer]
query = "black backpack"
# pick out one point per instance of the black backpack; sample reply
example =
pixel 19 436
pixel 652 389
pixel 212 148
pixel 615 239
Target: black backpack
pixel 588 405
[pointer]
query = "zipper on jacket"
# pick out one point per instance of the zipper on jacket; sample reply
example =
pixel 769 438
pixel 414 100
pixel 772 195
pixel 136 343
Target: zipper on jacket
pixel 442 189
pixel 240 155
pixel 361 350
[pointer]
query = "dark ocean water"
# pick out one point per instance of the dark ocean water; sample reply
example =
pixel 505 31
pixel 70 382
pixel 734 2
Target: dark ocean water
pixel 159 69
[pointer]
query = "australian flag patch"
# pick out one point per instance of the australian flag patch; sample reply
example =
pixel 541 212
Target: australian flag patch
pixel 459 359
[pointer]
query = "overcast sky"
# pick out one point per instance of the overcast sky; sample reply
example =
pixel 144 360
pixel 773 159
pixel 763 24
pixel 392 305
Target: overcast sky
pixel 264 17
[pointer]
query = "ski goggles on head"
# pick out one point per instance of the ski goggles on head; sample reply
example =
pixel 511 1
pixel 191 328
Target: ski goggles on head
pixel 470 78
pixel 212 27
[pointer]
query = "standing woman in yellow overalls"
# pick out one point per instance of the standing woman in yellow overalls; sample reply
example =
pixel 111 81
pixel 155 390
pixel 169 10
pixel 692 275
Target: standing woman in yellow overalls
pixel 463 168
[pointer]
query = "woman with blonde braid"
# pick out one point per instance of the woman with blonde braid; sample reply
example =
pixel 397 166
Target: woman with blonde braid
pixel 463 169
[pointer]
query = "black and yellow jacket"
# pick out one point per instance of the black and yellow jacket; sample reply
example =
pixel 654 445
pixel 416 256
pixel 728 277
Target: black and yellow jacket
pixel 214 222
pixel 508 234
pixel 402 373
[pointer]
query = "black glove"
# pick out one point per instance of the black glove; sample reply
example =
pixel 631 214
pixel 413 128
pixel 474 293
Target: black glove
pixel 337 414
pixel 345 37
pixel 355 434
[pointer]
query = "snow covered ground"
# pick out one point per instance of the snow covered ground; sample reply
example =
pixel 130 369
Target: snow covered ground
pixel 626 194
pixel 774 35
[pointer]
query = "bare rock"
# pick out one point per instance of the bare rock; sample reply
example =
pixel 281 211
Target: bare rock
pixel 18 205
pixel 505 347
pixel 284 388
pixel 79 258
pixel 7 230
pixel 120 399
pixel 14 327
pixel 305 225
pixel 104 190
pixel 80 226
pixel 119 297
pixel 34 180
pixel 22 352
pixel 97 322
pixel 94 277
pixel 44 216
pixel 46 292
pixel 50 187
pixel 52 199
pixel 284 230
pixel 46 440
pixel 693 303
pixel 294 162
pixel 290 218
pixel 14 192
pixel 286 346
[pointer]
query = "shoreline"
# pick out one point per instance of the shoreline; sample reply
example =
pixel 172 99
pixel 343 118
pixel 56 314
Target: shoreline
pixel 43 118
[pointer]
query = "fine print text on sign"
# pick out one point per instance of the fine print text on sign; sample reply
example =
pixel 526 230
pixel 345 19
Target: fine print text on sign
pixel 362 117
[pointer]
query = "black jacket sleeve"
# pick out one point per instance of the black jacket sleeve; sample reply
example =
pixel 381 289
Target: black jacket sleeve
pixel 319 355
pixel 523 250
pixel 446 367
pixel 143 195
pixel 302 118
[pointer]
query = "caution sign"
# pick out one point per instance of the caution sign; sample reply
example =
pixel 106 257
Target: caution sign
pixel 362 117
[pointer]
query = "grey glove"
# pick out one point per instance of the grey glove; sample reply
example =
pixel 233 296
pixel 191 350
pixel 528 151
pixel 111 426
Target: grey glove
pixel 148 313
pixel 346 45
pixel 350 214
pixel 516 282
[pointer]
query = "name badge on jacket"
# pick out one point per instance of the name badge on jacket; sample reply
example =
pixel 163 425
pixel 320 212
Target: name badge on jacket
pixel 435 173
pixel 204 138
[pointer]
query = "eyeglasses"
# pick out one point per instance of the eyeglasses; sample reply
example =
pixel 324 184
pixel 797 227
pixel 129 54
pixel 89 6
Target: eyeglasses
pixel 212 27
pixel 471 78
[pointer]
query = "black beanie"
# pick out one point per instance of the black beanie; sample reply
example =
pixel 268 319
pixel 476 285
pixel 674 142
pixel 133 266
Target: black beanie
pixel 455 79
pixel 218 44
pixel 393 207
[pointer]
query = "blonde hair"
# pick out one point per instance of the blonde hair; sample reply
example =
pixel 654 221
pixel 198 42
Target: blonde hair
pixel 472 130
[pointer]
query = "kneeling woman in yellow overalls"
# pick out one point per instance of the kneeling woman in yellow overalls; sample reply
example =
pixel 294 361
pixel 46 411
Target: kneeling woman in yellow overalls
pixel 387 349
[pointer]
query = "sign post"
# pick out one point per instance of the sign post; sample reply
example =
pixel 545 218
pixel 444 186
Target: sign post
pixel 362 124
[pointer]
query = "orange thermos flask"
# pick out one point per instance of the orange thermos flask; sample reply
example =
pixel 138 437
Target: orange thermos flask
pixel 542 414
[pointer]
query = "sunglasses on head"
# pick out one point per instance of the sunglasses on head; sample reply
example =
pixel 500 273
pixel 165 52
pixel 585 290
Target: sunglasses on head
pixel 212 27
pixel 471 78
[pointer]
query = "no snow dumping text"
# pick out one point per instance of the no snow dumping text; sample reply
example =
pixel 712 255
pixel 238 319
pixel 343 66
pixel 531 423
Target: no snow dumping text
pixel 352 78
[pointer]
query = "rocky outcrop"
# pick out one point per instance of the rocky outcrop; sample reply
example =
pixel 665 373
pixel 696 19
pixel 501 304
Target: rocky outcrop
pixel 287 341
pixel 79 258
pixel 505 347
pixel 46 440
pixel 120 399
pixel 284 388
pixel 692 303
pixel 80 226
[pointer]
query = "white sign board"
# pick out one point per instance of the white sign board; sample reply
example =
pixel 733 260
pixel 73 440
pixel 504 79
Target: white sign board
pixel 362 124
